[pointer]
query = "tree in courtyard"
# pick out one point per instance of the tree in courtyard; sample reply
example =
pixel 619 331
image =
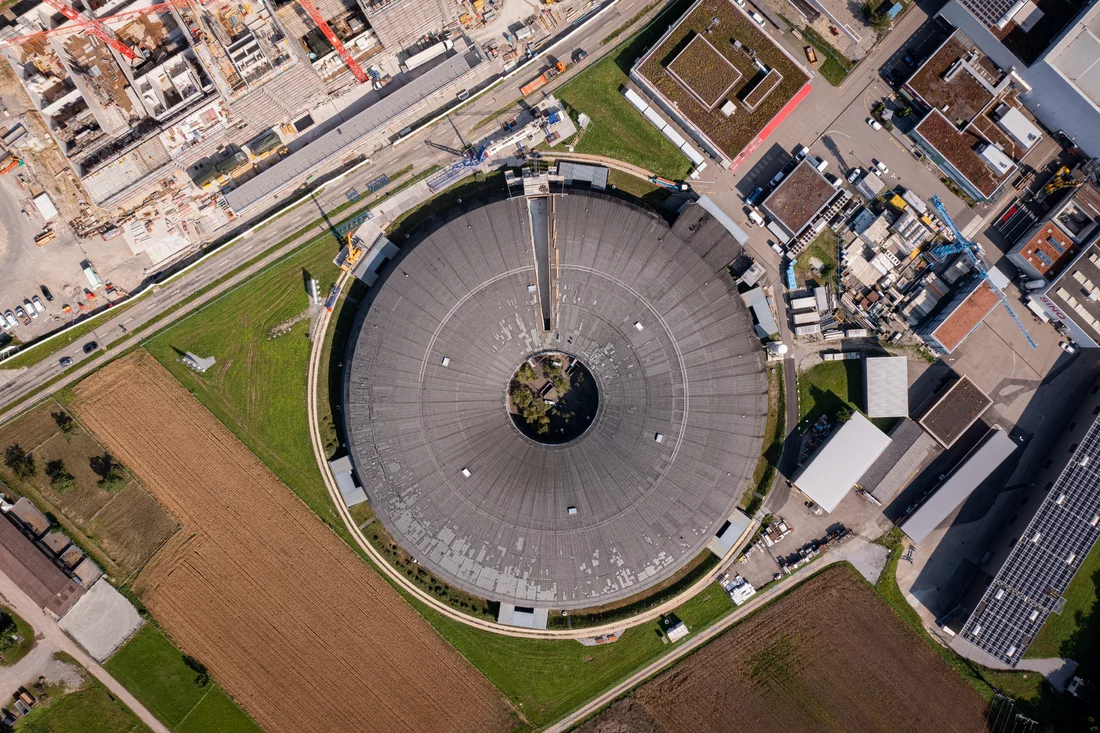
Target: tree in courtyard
pixel 880 21
pixel 526 373
pixel 19 462
pixel 60 478
pixel 112 474
pixel 843 415
pixel 65 423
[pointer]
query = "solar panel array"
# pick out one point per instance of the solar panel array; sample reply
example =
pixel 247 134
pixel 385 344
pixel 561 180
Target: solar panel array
pixel 989 12
pixel 1029 586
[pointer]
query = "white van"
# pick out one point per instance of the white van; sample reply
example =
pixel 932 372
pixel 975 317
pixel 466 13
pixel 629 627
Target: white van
pixel 756 219
pixel 758 18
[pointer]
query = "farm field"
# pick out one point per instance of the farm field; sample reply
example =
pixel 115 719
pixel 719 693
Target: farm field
pixel 830 655
pixel 284 615
pixel 158 675
pixel 258 380
pixel 121 524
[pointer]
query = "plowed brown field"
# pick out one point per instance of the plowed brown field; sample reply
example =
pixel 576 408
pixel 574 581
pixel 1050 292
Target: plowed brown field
pixel 829 656
pixel 295 626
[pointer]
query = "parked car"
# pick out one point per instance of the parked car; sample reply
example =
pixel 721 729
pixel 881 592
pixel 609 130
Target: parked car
pixel 758 18
pixel 880 167
pixel 4 324
pixel 90 347
pixel 66 362
pixel 19 312
pixel 854 175
pixel 776 178
pixel 47 294
pixel 30 308
pixel 801 153
pixel 1067 347
pixel 874 123
pixel 909 62
pixel 579 55
pixel 11 319
pixel 38 304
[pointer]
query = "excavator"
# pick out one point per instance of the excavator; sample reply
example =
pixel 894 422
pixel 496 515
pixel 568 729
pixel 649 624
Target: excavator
pixel 1063 178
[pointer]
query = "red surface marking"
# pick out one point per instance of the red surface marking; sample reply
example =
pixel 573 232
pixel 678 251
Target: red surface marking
pixel 771 126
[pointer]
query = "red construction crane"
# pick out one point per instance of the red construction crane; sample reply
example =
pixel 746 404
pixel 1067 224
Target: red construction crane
pixel 315 14
pixel 96 28
pixel 84 23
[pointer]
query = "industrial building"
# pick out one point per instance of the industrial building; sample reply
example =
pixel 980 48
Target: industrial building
pixel 974 128
pixel 975 468
pixel 601 516
pixel 886 386
pixel 1052 242
pixel 1073 297
pixel 955 411
pixel 841 460
pixel 715 91
pixel 757 301
pixel 1029 569
pixel 803 199
pixel 959 317
pixel 1057 65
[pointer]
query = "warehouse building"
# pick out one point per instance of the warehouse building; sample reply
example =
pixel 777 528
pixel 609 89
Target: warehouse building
pixel 840 461
pixel 959 317
pixel 978 465
pixel 1029 570
pixel 886 386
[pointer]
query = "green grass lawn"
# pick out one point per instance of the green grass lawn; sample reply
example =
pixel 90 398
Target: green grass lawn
pixel 13 650
pixel 1077 628
pixel 836 66
pixel 155 671
pixel 822 248
pixel 258 387
pixel 775 433
pixel 90 710
pixel 830 387
pixel 217 712
pixel 618 130
pixel 548 679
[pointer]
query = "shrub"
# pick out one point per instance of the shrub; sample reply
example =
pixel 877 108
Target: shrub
pixel 19 461
pixel 60 478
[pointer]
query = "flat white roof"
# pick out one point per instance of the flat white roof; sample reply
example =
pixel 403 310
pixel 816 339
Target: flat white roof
pixel 886 384
pixel 839 463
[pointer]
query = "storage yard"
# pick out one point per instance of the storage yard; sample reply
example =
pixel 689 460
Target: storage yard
pixel 829 655
pixel 300 631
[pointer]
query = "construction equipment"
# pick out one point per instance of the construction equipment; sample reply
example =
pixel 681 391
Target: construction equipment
pixel 1063 178
pixel 971 250
pixel 86 24
pixel 95 27
pixel 350 254
pixel 45 236
pixel 541 80
pixel 322 24
pixel 12 164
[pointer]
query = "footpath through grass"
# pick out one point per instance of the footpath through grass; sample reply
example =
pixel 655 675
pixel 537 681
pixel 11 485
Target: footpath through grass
pixel 173 688
pixel 618 130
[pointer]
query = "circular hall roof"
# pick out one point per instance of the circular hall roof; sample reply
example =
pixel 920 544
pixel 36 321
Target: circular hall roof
pixel 651 311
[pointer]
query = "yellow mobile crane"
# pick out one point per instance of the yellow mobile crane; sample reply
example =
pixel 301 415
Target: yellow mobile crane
pixel 1063 178
pixel 350 254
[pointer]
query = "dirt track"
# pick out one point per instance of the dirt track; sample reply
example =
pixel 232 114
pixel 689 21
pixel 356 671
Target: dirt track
pixel 296 627
pixel 828 656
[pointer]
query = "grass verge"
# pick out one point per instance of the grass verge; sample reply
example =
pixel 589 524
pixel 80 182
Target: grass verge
pixel 836 67
pixel 775 433
pixel 174 688
pixel 830 389
pixel 822 248
pixel 92 709
pixel 618 130
pixel 18 637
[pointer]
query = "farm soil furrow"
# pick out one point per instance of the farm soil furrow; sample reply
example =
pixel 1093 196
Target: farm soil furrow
pixel 828 656
pixel 295 626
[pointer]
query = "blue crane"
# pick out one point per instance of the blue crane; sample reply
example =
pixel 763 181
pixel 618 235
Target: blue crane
pixel 970 249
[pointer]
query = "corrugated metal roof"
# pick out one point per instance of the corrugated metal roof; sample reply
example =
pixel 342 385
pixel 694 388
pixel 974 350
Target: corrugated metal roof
pixel 593 174
pixel 757 300
pixel 353 493
pixel 886 382
pixel 352 132
pixel 714 210
pixel 974 469
pixel 839 463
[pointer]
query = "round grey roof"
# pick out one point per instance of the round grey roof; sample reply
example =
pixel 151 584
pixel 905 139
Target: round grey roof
pixel 656 320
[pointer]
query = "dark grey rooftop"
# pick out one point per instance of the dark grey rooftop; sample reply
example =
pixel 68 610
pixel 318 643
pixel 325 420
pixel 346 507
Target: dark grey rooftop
pixel 693 373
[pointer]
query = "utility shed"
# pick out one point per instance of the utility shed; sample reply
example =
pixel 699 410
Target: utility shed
pixel 728 534
pixel 757 300
pixel 886 384
pixel 351 491
pixel 594 175
pixel 45 206
pixel 840 462
pixel 523 617
pixel 975 468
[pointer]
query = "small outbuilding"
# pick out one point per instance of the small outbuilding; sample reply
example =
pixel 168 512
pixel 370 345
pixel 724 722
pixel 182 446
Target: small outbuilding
pixel 350 490
pixel 886 386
